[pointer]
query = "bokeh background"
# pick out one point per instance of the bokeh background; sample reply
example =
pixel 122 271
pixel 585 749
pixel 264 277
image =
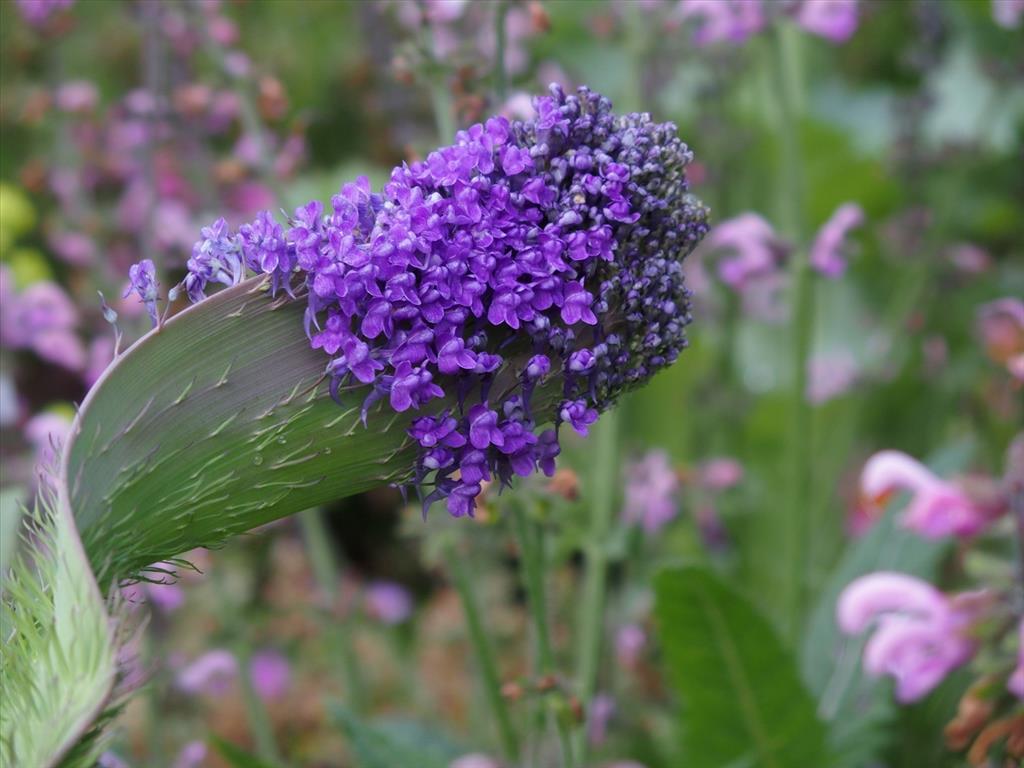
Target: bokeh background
pixel 127 126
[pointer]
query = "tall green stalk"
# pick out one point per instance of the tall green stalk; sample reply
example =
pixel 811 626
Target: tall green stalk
pixel 484 651
pixel 327 572
pixel 533 557
pixel 799 511
pixel 590 630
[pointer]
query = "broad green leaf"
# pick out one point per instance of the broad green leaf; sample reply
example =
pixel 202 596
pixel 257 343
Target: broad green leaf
pixel 386 743
pixel 743 701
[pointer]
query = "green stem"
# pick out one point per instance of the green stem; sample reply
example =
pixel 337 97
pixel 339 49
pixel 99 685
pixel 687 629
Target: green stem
pixel 255 711
pixel 327 572
pixel 500 36
pixel 441 99
pixel 533 557
pixel 800 509
pixel 590 631
pixel 484 652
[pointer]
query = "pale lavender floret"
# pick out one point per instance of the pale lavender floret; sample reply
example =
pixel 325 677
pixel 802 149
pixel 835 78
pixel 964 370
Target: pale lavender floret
pixel 557 240
pixel 217 258
pixel 143 283
pixel 271 674
pixel 834 20
pixel 651 492
pixel 388 602
pixel 827 250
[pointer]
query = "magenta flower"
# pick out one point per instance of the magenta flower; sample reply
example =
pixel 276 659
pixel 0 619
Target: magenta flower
pixel 210 674
pixel 271 674
pixel 388 602
pixel 38 12
pixel 834 20
pixel 750 246
pixel 650 493
pixel 827 250
pixel 920 634
pixel 1016 681
pixel 937 507
pixel 723 21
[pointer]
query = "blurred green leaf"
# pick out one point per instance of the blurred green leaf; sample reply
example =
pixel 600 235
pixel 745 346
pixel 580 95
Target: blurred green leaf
pixel 386 743
pixel 237 757
pixel 744 704
pixel 11 510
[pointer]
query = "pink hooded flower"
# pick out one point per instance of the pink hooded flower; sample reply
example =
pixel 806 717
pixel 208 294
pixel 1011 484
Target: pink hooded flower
pixel 937 507
pixel 834 20
pixel 920 634
pixel 723 21
pixel 827 250
pixel 751 246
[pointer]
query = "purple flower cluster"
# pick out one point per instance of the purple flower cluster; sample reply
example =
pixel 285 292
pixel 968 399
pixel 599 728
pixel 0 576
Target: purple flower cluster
pixel 538 256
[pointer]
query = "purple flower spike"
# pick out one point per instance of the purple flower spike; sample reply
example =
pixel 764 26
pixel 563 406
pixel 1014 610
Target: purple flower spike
pixel 142 281
pixel 529 273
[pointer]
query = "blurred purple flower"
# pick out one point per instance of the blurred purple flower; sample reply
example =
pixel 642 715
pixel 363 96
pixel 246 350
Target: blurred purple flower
pixel 602 709
pixel 723 21
pixel 142 282
pixel 271 674
pixel 38 12
pixel 650 493
pixel 1001 328
pixel 834 20
pixel 41 318
pixel 73 248
pixel 111 760
pixel 388 602
pixel 970 259
pixel 630 642
pixel 211 674
pixel 827 250
pixel 937 507
pixel 920 636
pixel 1007 13
pixel 749 246
pixel 46 433
pixel 192 755
pixel 474 760
pixel 829 376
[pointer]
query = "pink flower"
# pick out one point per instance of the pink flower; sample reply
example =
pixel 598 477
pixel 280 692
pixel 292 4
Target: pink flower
pixel 1007 13
pixel 1001 328
pixel 46 433
pixel 650 494
pixel 474 760
pixel 829 376
pixel 76 96
pixel 937 507
pixel 42 318
pixel 723 21
pixel 271 674
pixel 1016 681
pixel 602 709
pixel 388 602
pixel 920 634
pixel 720 474
pixel 834 20
pixel 969 259
pixel 630 642
pixel 211 673
pixel 752 249
pixel 826 252
pixel 192 755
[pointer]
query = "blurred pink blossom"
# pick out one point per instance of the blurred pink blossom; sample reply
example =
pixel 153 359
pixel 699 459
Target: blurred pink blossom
pixel 721 473
pixel 827 251
pixel 211 673
pixel 388 602
pixel 937 507
pixel 192 755
pixel 723 21
pixel 650 492
pixel 46 433
pixel 602 710
pixel 834 20
pixel 474 760
pixel 630 642
pixel 74 248
pixel 76 96
pixel 271 674
pixel 750 249
pixel 1007 13
pixel 1001 328
pixel 38 12
pixel 920 634
pixel 969 258
pixel 1016 681
pixel 829 376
